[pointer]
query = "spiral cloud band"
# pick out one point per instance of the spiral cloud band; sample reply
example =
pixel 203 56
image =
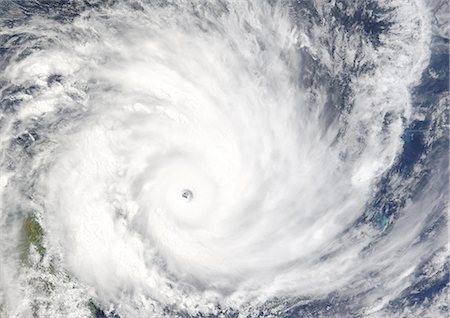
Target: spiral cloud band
pixel 221 159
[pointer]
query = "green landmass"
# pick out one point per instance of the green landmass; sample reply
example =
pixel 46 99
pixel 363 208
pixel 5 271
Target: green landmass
pixel 33 235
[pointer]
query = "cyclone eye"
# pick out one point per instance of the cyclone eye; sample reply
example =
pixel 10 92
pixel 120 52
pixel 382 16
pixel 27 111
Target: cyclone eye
pixel 187 195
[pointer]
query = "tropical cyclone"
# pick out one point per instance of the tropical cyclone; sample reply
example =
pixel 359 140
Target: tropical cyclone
pixel 191 157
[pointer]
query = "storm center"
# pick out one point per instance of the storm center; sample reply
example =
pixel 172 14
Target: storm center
pixel 187 195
